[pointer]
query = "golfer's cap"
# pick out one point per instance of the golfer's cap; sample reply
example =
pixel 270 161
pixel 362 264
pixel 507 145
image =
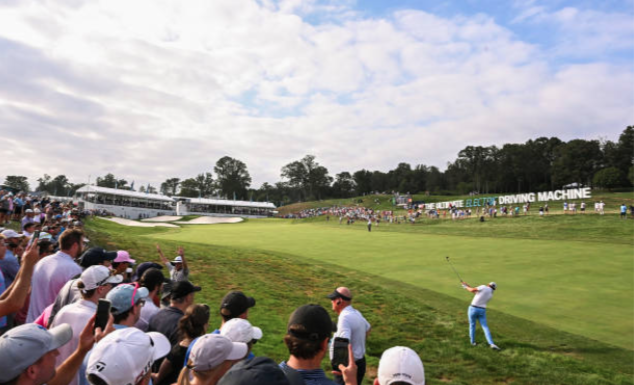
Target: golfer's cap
pixel 211 350
pixel 235 303
pixel 493 285
pixel 123 256
pixel 23 345
pixel 401 364
pixel 181 289
pixel 178 259
pixel 240 330
pixel 121 297
pixel 257 371
pixel 341 292
pixel 12 234
pixel 98 275
pixel 95 256
pixel 125 355
pixel 310 322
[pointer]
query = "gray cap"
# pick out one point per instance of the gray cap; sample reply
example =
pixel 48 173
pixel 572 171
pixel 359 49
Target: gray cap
pixel 22 346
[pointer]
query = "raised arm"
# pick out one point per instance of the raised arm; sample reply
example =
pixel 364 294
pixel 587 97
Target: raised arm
pixel 181 252
pixel 160 253
pixel 13 298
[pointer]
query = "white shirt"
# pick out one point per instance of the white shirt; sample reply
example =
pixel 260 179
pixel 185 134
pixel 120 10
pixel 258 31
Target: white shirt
pixel 482 297
pixel 77 316
pixel 353 326
pixel 148 311
pixel 50 274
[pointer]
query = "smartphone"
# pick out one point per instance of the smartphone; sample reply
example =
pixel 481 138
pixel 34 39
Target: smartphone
pixel 103 313
pixel 340 352
pixel 35 237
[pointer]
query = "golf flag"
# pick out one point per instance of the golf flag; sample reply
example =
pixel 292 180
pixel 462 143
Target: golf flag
pixel 132 186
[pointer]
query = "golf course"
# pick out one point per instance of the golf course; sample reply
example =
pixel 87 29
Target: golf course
pixel 563 312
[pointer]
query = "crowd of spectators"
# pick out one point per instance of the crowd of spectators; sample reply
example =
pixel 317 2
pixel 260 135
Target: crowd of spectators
pixel 52 285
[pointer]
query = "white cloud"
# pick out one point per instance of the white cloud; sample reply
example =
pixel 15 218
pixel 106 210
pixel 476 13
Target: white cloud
pixel 154 89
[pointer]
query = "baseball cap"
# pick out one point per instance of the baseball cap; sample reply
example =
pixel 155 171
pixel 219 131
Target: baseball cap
pixel 143 267
pixel 123 256
pixel 98 275
pixel 235 303
pixel 126 355
pixel 28 211
pixel 401 364
pixel 11 234
pixel 240 330
pixel 340 292
pixel 23 345
pixel 313 319
pixel 182 288
pixel 178 259
pixel 95 256
pixel 257 371
pixel 121 297
pixel 493 285
pixel 211 350
pixel 166 290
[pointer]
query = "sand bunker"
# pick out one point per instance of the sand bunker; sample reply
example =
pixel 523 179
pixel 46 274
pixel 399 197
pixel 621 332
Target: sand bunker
pixel 210 220
pixel 127 222
pixel 162 218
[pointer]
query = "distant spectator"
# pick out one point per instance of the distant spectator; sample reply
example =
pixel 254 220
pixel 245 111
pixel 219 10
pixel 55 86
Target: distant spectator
pixel 52 272
pixel 178 267
pixel 400 365
pixel 29 229
pixel 9 264
pixel 125 357
pixel 308 332
pixel 152 280
pixel 166 320
pixel 210 358
pixel 191 326
pixel 28 218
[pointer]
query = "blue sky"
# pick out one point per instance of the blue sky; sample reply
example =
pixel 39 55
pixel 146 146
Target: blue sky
pixel 153 89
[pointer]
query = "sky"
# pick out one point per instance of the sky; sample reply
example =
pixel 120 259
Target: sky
pixel 154 89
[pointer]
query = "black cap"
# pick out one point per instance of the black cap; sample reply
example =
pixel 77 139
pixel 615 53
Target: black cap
pixel 257 371
pixel 143 267
pixel 335 294
pixel 152 277
pixel 235 303
pixel 181 289
pixel 315 322
pixel 96 256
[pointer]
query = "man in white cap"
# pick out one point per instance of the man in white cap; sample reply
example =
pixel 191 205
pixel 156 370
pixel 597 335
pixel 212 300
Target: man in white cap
pixel 126 356
pixel 95 283
pixel 478 311
pixel 400 365
pixel 211 356
pixel 178 267
pixel 28 218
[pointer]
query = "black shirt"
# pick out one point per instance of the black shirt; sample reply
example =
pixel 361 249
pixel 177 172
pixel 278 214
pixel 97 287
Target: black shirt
pixel 166 323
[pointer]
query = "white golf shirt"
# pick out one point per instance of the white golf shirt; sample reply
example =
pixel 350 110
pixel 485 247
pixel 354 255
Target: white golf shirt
pixel 148 311
pixel 482 297
pixel 353 326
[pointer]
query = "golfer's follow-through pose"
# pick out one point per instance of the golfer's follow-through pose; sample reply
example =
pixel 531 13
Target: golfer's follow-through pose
pixel 478 311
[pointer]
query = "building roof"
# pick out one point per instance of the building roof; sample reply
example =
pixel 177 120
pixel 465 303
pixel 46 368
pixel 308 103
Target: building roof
pixel 226 202
pixel 125 193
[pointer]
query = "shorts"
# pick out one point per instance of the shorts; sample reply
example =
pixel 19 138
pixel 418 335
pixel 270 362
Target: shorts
pixel 3 211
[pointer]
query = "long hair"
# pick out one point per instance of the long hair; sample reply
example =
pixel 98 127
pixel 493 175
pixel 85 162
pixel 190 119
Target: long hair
pixel 193 323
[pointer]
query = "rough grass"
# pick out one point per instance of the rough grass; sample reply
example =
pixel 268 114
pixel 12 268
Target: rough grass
pixel 402 313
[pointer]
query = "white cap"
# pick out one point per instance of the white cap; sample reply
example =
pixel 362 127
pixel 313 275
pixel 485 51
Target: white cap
pixel 401 364
pixel 28 211
pixel 240 330
pixel 98 275
pixel 178 259
pixel 211 350
pixel 126 355
pixel 493 285
pixel 11 234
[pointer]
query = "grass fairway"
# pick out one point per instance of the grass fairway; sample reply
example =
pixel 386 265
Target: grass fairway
pixel 574 286
pixel 563 312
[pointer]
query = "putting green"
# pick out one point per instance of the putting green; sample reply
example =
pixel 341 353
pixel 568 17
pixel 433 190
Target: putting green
pixel 584 288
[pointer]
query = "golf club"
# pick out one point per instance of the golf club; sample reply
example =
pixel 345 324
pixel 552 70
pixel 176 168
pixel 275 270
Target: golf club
pixel 454 270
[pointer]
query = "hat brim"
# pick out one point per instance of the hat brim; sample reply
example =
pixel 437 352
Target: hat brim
pixel 238 351
pixel 62 334
pixel 250 302
pixel 162 345
pixel 110 255
pixel 257 333
pixel 115 279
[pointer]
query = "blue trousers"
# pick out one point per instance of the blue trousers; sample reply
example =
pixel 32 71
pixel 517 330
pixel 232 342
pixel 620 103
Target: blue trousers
pixel 480 315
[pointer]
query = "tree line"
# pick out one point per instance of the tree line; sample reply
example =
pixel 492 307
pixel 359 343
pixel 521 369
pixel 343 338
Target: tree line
pixel 538 165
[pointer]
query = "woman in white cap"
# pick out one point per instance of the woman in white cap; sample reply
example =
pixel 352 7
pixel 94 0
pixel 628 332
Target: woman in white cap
pixel 210 357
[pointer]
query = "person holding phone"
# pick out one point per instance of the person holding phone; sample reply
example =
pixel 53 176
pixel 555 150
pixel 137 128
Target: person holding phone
pixel 351 325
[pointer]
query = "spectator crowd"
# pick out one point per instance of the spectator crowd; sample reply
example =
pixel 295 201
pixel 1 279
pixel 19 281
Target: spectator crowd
pixel 54 292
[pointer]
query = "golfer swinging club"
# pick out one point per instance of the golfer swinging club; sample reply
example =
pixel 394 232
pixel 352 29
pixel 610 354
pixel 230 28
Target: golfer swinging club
pixel 478 311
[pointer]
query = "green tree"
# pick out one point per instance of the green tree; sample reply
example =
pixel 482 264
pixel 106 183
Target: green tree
pixel 577 162
pixel 363 181
pixel 170 186
pixel 42 183
pixel 307 176
pixel 17 182
pixel 205 184
pixel 343 186
pixel 189 188
pixel 233 178
pixel 609 178
pixel 109 180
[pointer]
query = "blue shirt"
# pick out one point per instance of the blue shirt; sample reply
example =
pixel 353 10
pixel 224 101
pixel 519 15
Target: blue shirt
pixel 10 266
pixel 3 287
pixel 313 376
